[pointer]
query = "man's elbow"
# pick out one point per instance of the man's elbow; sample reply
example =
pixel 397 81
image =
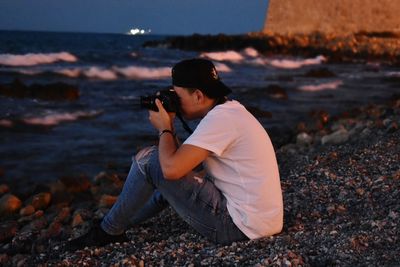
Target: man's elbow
pixel 171 174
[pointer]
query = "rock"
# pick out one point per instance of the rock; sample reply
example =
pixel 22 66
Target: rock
pixel 365 132
pixel 53 230
pixel 8 230
pixel 31 217
pixel 109 184
pixel 36 225
pixel 304 139
pixel 76 184
pixel 9 204
pixel 3 259
pixel 20 260
pixel 77 220
pixel 64 215
pixel 106 201
pixel 338 137
pixel 41 201
pixel 27 210
pixel 392 127
pixel 85 214
pixel 105 178
pixel 322 117
pixel 22 242
pixel 4 189
pixel 59 193
pixel 53 91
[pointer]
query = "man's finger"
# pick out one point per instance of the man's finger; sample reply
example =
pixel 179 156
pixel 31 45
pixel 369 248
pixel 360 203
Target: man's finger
pixel 159 104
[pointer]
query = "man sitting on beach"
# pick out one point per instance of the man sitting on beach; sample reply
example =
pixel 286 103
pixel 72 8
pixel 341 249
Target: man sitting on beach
pixel 238 195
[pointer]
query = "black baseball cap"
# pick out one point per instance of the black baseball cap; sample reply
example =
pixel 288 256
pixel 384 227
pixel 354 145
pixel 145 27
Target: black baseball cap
pixel 201 74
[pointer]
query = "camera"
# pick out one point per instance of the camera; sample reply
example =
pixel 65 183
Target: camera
pixel 168 98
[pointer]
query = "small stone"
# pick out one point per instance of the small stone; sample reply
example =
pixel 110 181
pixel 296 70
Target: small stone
pixel 63 215
pixel 392 127
pixel 107 201
pixel 76 184
pixel 360 191
pixel 53 230
pixel 9 204
pixel 77 220
pixel 27 210
pixel 41 200
pixel 365 132
pixel 338 137
pixel 3 259
pixel 303 139
pixel 387 122
pixel 8 230
pixel 4 189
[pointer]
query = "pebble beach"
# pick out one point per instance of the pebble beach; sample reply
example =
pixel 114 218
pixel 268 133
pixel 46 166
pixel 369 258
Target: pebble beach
pixel 340 178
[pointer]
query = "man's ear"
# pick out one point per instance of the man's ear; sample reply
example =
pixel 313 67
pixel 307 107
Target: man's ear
pixel 199 96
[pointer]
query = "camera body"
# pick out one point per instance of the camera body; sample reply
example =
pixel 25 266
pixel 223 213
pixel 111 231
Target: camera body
pixel 168 98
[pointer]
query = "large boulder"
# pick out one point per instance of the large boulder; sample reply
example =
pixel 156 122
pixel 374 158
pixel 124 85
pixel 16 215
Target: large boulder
pixel 53 91
pixel 335 16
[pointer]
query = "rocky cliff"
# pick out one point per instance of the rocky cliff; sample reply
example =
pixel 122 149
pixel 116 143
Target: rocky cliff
pixel 334 16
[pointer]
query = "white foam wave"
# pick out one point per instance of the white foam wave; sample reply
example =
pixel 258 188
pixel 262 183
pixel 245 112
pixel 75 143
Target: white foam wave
pixel 229 55
pixel 320 87
pixel 6 123
pixel 295 64
pixel 136 72
pixel 393 74
pixel 221 67
pixel 54 119
pixel 98 73
pixel 35 59
pixel 72 73
pixel 251 52
pixel 131 72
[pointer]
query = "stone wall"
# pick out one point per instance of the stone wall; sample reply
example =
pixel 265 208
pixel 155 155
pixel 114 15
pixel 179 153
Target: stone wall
pixel 332 16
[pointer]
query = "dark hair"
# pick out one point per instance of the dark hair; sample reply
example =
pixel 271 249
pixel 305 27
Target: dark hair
pixel 199 73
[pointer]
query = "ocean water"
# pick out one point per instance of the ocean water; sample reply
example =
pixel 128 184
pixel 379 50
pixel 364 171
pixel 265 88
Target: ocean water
pixel 44 140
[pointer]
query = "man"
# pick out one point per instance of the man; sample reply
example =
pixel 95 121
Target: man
pixel 236 197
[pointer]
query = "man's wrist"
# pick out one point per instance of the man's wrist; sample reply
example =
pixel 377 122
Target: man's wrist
pixel 166 131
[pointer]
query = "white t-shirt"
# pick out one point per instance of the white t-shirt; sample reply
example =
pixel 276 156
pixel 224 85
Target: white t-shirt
pixel 244 166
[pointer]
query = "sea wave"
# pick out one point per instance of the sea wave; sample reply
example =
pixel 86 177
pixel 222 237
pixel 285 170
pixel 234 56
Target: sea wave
pixel 32 59
pixel 229 55
pixel 287 63
pixel 56 118
pixel 221 67
pixel 107 74
pixel 251 56
pixel 320 87
pixel 6 123
pixel 297 63
pixel 137 72
pixel 99 73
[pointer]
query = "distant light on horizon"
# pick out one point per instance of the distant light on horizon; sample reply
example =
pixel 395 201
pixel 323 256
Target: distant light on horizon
pixel 137 31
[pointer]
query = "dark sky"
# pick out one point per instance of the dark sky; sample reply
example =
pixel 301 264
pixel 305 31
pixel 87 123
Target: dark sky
pixel 118 16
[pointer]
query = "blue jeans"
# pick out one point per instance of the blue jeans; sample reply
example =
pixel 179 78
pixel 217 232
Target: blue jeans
pixel 194 197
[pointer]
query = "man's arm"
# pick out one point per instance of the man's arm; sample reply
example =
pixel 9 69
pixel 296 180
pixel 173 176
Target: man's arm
pixel 175 161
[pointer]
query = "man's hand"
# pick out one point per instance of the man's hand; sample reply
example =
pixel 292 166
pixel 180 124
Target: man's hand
pixel 161 120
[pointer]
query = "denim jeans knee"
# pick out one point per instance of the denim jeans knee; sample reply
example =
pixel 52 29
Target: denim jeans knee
pixel 143 157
